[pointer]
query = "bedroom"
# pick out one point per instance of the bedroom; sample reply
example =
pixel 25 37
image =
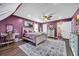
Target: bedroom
pixel 43 25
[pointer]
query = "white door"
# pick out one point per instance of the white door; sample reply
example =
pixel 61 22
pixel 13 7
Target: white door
pixel 45 28
pixel 66 29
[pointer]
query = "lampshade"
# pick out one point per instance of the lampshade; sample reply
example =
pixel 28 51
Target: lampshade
pixel 78 16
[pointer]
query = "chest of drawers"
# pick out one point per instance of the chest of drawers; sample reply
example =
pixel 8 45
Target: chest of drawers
pixel 74 44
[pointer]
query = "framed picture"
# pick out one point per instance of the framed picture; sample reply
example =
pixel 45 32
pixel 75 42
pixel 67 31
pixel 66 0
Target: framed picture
pixel 9 27
pixel 28 24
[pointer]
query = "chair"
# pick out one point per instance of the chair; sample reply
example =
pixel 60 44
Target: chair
pixel 9 36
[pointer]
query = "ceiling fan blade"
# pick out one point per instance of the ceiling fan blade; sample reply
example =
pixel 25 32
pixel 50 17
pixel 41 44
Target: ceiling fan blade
pixel 52 14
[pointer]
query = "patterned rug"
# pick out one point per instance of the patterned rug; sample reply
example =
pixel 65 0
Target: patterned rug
pixel 47 48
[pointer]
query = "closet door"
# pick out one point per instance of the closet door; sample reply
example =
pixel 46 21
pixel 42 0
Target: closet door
pixel 66 29
pixel 45 28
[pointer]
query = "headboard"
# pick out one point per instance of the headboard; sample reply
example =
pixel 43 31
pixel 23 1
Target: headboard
pixel 27 29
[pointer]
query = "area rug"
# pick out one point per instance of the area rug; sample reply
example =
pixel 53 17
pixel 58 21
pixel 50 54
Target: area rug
pixel 47 48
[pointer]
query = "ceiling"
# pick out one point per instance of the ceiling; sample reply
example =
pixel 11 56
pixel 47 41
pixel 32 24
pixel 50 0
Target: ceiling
pixel 35 11
pixel 6 9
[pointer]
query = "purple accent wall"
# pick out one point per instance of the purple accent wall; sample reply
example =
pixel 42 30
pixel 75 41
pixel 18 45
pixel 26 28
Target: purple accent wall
pixel 15 21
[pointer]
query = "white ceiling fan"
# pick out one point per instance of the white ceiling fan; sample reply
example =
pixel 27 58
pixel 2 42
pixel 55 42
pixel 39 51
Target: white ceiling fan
pixel 46 17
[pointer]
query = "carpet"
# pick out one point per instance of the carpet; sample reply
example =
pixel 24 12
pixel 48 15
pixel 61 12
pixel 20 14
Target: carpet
pixel 47 48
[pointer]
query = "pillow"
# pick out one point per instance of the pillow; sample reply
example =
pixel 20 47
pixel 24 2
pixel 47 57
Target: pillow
pixel 25 31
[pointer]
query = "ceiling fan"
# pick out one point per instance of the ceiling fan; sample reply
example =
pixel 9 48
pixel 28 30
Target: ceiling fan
pixel 46 17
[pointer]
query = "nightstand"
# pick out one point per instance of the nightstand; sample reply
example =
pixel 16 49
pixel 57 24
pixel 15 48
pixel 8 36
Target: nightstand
pixel 16 37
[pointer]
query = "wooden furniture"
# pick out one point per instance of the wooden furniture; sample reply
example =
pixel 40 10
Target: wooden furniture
pixel 6 38
pixel 16 37
pixel 51 30
pixel 51 33
pixel 74 43
pixel 74 40
pixel 35 38
pixel 2 38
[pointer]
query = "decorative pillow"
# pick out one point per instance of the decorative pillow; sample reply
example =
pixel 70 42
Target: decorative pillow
pixel 25 31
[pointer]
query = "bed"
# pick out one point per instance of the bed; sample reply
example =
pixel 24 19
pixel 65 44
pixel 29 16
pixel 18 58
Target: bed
pixel 34 37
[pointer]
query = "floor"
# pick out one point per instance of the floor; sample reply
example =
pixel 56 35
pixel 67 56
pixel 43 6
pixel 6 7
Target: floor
pixel 14 50
pixel 68 49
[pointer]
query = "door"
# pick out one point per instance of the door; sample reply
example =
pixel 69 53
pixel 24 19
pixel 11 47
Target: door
pixel 66 29
pixel 45 28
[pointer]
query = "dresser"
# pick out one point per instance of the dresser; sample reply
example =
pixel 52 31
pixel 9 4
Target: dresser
pixel 74 43
pixel 51 33
pixel 74 40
